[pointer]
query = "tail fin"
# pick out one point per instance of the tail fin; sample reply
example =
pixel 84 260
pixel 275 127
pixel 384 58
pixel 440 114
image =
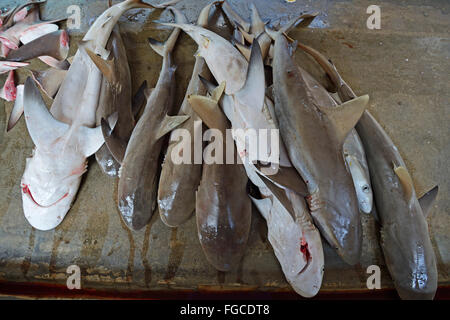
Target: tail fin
pixel 165 48
pixel 142 4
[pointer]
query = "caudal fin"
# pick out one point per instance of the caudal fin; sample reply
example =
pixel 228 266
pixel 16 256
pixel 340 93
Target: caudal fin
pixel 163 49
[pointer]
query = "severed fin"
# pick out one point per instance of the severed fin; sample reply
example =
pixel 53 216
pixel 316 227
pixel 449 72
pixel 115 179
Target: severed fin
pixel 139 99
pixel 169 123
pixel 405 180
pixel 246 51
pixel 208 110
pixel 278 193
pixel 264 206
pixel 49 80
pixel 287 178
pixel 42 127
pixel 17 110
pixel 9 90
pixel 37 32
pixel 345 116
pixel 427 200
pixel 253 91
pixel 105 66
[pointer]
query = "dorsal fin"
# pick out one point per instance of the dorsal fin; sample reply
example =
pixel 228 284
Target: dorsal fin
pixel 42 127
pixel 208 109
pixel 105 66
pixel 345 116
pixel 169 123
pixel 405 180
pixel 253 91
pixel 427 200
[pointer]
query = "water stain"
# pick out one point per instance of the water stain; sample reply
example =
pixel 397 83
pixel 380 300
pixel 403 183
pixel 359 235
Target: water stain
pixel 221 277
pixel 95 236
pixel 175 255
pixel 130 267
pixel 240 272
pixel 25 266
pixel 144 251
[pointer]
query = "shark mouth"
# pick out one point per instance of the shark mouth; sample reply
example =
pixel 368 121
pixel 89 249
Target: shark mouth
pixel 26 190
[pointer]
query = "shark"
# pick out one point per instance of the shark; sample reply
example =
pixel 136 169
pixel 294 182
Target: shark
pixel 64 135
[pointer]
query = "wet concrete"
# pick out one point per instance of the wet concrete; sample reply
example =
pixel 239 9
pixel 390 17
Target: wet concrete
pixel 404 67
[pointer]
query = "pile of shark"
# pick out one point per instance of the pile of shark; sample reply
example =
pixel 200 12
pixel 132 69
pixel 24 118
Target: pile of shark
pixel 335 161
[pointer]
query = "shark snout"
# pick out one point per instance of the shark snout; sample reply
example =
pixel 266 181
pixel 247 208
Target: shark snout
pixel 342 233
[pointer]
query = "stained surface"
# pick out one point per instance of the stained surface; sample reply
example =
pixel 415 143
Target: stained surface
pixel 404 67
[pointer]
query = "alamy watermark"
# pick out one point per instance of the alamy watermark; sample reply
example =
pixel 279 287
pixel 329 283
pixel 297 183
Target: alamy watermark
pixel 260 146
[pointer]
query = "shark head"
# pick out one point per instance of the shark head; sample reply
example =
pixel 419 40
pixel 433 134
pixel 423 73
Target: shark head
pixel 337 216
pixel 405 244
pixel 53 174
pixel 48 188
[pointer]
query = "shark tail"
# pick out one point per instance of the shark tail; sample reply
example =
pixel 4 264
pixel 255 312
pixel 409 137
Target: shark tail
pixel 164 49
pixel 142 4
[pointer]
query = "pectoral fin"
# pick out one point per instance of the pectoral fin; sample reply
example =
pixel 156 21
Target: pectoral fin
pixel 280 194
pixel 288 177
pixel 90 140
pixel 345 116
pixel 252 93
pixel 169 123
pixel 49 80
pixel 17 110
pixel 116 146
pixel 405 180
pixel 42 127
pixel 427 200
pixel 105 66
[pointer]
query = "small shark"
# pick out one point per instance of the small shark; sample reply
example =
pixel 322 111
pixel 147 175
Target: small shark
pixel 405 239
pixel 64 137
pixel 223 208
pixel 179 182
pixel 139 171
pixel 314 135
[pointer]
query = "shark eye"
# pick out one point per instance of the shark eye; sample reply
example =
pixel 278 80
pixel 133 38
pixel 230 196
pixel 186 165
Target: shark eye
pixel 365 188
